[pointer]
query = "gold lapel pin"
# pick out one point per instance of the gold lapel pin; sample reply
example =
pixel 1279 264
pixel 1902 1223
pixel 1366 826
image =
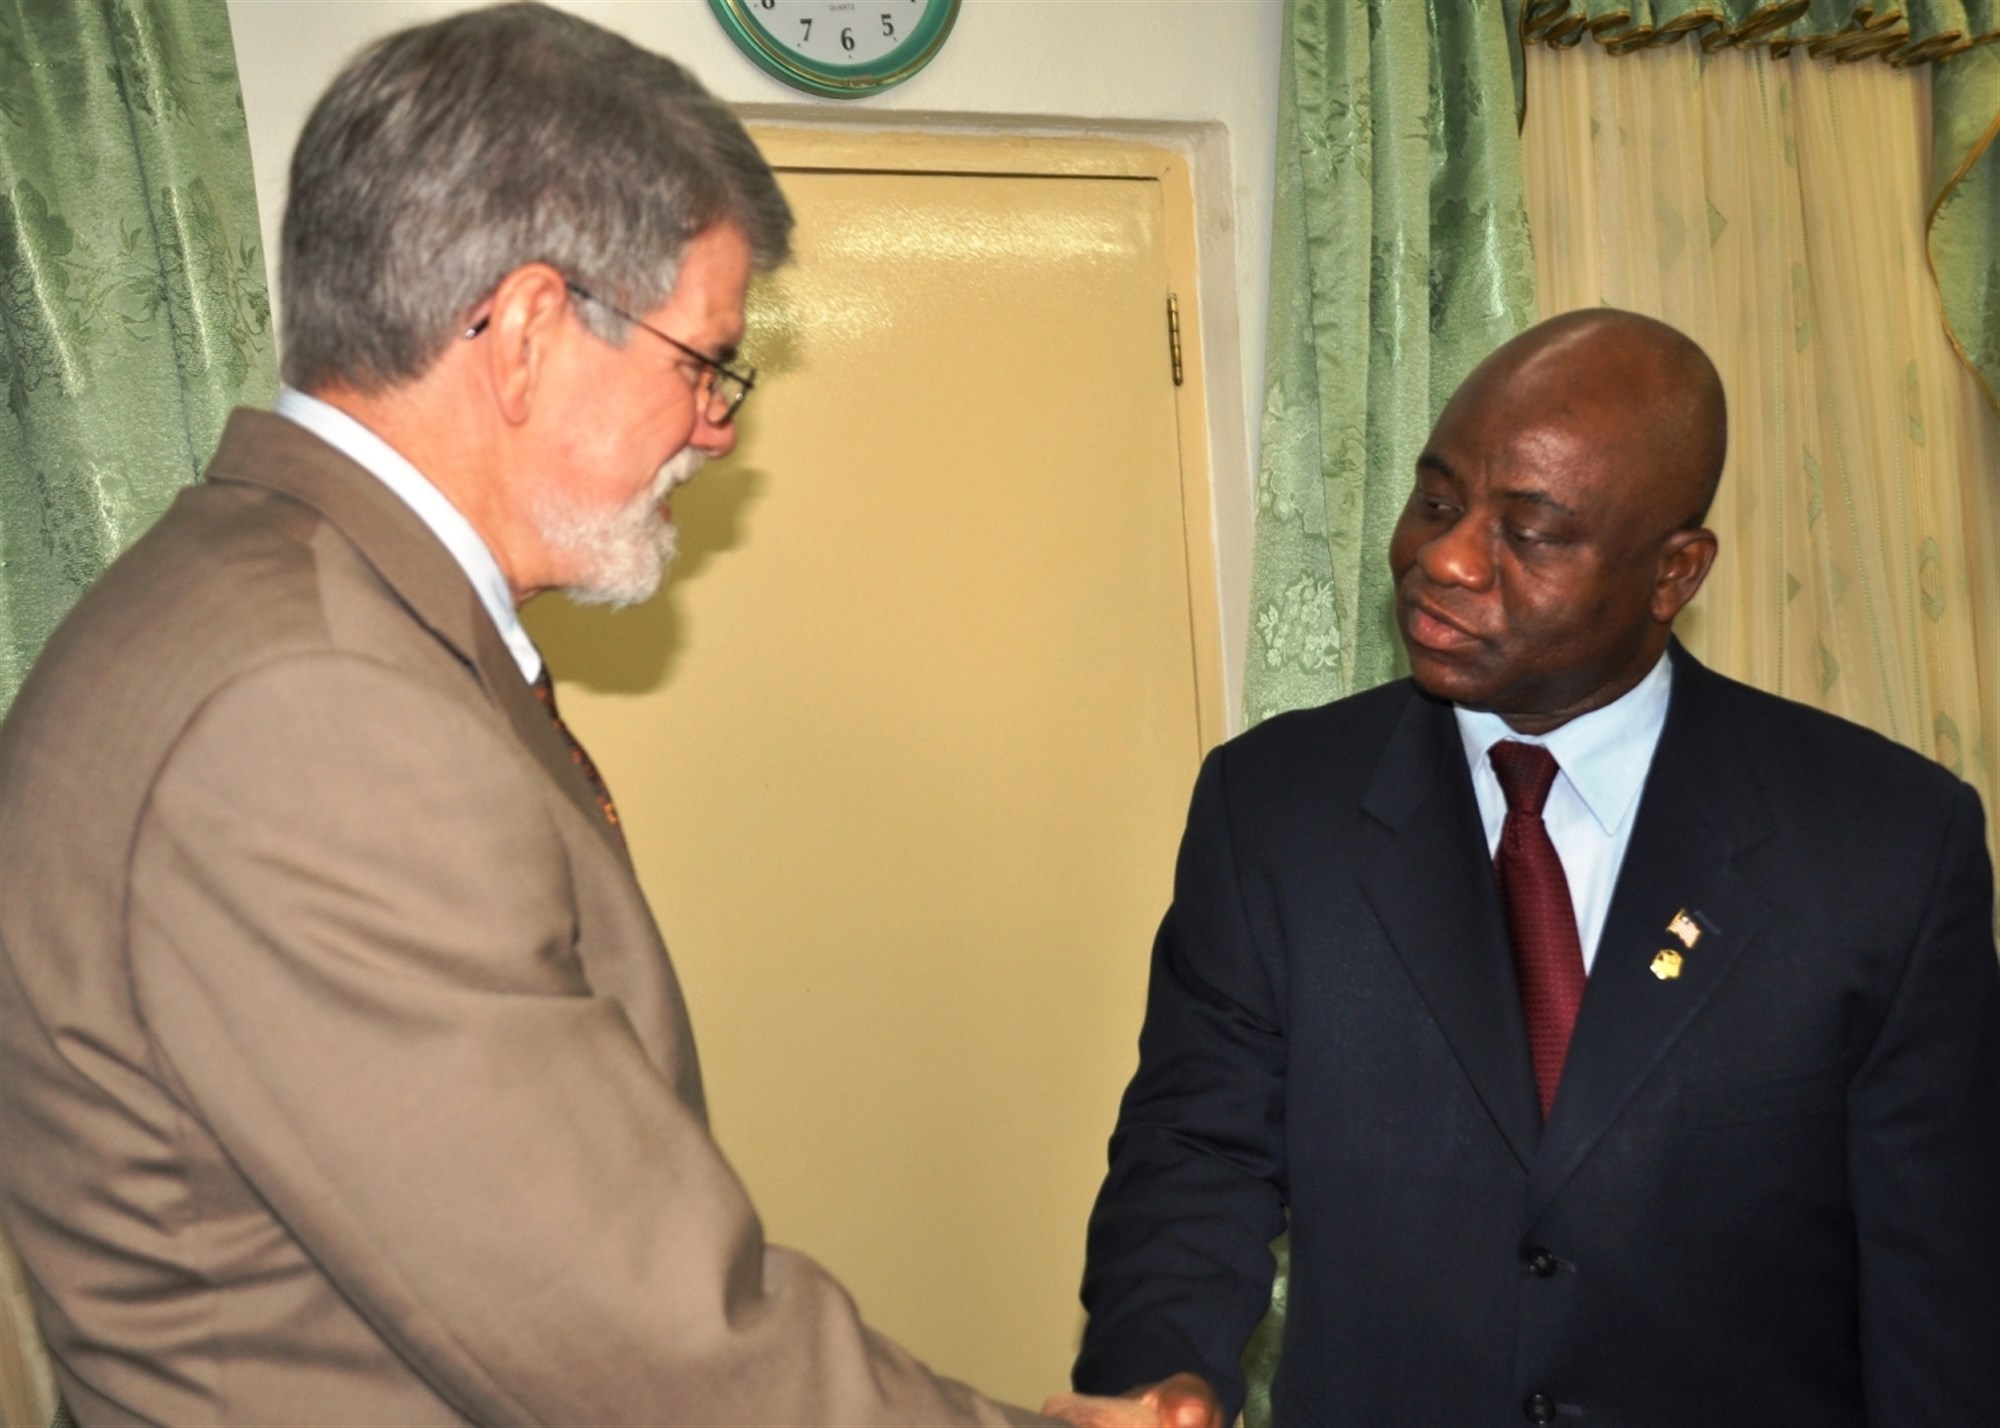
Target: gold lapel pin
pixel 1684 928
pixel 1667 964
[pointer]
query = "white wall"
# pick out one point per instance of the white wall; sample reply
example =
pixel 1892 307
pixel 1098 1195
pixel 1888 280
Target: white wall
pixel 1199 74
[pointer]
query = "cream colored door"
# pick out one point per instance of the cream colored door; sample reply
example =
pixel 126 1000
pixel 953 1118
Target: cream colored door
pixel 904 748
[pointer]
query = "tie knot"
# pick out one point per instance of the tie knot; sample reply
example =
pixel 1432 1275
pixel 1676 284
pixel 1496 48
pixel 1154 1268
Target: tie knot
pixel 545 689
pixel 1526 773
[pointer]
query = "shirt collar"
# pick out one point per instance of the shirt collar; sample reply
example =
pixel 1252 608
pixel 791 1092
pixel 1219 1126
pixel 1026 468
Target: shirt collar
pixel 1604 754
pixel 444 520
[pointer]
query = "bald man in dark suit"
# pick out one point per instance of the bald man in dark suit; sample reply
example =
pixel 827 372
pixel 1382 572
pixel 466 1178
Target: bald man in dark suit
pixel 1622 1044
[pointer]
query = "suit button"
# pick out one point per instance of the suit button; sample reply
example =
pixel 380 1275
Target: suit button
pixel 1541 1263
pixel 1540 1408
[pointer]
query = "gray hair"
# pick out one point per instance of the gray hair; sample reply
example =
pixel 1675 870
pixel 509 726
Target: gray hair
pixel 447 155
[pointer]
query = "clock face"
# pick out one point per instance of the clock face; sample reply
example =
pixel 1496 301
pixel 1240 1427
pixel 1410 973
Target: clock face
pixel 842 48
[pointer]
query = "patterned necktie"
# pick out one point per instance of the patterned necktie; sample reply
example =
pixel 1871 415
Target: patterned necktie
pixel 1541 920
pixel 545 691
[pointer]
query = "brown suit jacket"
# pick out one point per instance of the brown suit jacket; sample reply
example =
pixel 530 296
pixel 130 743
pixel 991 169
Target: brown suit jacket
pixel 343 1075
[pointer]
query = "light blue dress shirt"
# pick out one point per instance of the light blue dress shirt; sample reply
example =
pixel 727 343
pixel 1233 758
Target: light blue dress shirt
pixel 1604 756
pixel 389 466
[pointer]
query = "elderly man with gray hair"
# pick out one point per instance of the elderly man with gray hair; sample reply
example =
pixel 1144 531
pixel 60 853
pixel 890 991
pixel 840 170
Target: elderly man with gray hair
pixel 343 1075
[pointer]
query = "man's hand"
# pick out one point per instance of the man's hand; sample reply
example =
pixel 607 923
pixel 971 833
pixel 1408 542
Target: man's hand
pixel 1183 1401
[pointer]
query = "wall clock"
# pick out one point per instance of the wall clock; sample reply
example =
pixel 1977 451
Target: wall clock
pixel 840 48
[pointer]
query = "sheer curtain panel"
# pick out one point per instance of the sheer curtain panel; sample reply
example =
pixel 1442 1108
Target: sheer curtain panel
pixel 1964 103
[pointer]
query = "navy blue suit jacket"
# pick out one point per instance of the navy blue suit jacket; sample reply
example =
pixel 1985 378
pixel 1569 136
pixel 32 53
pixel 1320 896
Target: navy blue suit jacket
pixel 1769 1189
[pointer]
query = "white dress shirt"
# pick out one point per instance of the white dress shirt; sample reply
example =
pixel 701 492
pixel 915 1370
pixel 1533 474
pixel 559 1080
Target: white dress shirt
pixel 389 466
pixel 1604 756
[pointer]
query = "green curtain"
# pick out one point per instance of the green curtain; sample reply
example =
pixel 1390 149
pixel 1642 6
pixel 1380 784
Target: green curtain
pixel 1965 207
pixel 1959 35
pixel 133 306
pixel 1399 258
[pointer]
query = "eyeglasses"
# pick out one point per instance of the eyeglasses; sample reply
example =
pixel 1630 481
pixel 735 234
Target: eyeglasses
pixel 722 389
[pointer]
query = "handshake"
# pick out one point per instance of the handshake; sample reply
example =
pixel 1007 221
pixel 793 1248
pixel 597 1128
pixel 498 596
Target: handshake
pixel 1183 1401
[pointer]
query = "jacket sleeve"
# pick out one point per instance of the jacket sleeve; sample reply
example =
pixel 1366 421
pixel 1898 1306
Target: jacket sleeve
pixel 1179 1267
pixel 351 935
pixel 1924 1159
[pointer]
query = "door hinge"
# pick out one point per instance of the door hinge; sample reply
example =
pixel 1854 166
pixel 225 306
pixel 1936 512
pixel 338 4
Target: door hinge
pixel 1174 337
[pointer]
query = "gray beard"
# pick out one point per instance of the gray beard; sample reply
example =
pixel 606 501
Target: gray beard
pixel 620 555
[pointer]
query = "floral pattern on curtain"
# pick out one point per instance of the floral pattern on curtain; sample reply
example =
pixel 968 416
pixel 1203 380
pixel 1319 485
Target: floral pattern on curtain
pixel 133 306
pixel 1400 257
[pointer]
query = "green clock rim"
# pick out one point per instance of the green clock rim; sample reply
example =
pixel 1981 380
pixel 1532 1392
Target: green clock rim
pixel 839 81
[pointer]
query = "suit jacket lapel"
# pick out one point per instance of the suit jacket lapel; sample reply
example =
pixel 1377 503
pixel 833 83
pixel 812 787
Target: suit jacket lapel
pixel 1432 887
pixel 1701 805
pixel 537 730
pixel 264 450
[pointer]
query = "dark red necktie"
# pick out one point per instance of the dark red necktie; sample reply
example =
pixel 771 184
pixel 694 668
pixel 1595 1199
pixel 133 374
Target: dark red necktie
pixel 545 691
pixel 1541 919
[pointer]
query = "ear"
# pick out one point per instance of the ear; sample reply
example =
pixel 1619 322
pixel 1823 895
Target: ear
pixel 1685 559
pixel 526 323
